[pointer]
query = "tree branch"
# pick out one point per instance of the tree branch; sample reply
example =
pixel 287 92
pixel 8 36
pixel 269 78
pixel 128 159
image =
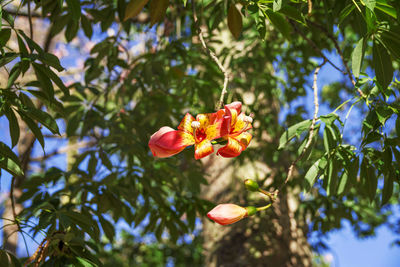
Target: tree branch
pixel 311 134
pixel 213 57
pixel 335 43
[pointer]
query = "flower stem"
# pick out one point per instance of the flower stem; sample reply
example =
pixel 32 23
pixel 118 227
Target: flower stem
pixel 264 207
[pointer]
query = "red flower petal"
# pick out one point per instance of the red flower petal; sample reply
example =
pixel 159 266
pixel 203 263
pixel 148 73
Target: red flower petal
pixel 186 123
pixel 203 149
pixel 167 142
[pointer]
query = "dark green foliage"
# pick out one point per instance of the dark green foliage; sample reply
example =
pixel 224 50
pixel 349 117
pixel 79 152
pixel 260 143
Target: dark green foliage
pixel 123 98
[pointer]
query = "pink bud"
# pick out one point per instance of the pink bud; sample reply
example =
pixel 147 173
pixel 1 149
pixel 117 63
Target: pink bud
pixel 227 213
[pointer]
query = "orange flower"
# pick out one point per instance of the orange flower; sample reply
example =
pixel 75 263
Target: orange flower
pixel 198 132
pixel 227 213
pixel 234 128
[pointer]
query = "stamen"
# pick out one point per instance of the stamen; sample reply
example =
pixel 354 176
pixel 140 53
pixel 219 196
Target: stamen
pixel 247 120
pixel 195 126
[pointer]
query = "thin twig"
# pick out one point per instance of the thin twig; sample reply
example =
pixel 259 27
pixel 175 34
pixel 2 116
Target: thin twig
pixel 213 57
pixel 336 44
pixel 312 128
pixel 30 20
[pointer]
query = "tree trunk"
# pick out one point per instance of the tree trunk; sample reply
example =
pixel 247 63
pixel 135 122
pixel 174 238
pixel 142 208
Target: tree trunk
pixel 270 238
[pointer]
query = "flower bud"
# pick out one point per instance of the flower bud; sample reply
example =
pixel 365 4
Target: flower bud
pixel 251 185
pixel 228 213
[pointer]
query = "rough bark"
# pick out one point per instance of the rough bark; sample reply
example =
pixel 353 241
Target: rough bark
pixel 271 238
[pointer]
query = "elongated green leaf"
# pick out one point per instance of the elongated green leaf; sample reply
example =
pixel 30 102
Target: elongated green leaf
pixel 332 179
pixel 7 58
pixel 34 128
pixel 9 161
pixel 277 5
pixel 293 131
pixel 13 125
pixel 235 22
pixel 87 27
pixel 5 34
pixel 387 190
pixel 133 8
pixel 370 4
pixel 386 8
pixel 346 12
pixel 108 228
pixel 279 22
pixel 157 10
pixel 382 64
pixel 52 61
pixel 8 259
pixel 311 176
pixel 357 57
pixel 45 83
pixel 14 74
pixel 74 7
pixel 293 13
pixel 42 117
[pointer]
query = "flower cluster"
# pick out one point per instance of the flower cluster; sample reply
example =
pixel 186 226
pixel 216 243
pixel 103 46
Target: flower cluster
pixel 228 124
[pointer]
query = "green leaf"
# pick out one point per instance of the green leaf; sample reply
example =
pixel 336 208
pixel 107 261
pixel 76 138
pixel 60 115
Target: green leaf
pixel 52 61
pixel 346 12
pixel 383 113
pixel 87 27
pixel 14 74
pixel 84 262
pixel 108 228
pixel 7 58
pixel 370 179
pixel 382 64
pixel 357 57
pixel 293 131
pixel 387 190
pixel 45 83
pixel 56 79
pixel 74 7
pixel 43 118
pixel 72 30
pixel 21 45
pixel 332 179
pixel 133 8
pixel 158 8
pixel 329 138
pixel 370 4
pixel 5 34
pixel 9 161
pixel 279 22
pixel 277 5
pixel 386 8
pixel 311 176
pixel 13 125
pixel 329 119
pixel 235 23
pixel 8 259
pixel 34 128
pixel 105 160
pixel 293 13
